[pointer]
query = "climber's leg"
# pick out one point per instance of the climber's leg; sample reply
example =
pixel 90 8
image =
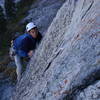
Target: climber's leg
pixel 19 67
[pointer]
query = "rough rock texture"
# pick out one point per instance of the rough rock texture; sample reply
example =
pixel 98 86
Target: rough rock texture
pixel 7 78
pixel 42 13
pixel 6 87
pixel 66 66
pixel 90 93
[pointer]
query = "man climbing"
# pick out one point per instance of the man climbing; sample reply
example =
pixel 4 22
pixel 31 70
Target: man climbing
pixel 24 46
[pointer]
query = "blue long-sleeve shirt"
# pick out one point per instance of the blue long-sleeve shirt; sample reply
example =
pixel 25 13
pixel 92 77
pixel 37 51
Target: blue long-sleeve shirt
pixel 24 43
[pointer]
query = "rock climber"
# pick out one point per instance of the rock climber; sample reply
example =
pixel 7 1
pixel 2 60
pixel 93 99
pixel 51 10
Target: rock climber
pixel 24 46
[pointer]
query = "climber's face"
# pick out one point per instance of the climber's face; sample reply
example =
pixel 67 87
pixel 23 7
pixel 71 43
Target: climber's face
pixel 33 32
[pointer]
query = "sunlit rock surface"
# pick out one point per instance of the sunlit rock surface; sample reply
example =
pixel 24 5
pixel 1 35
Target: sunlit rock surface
pixel 66 66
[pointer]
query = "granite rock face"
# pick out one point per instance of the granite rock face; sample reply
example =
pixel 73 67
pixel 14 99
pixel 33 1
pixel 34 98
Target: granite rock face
pixel 92 92
pixel 66 65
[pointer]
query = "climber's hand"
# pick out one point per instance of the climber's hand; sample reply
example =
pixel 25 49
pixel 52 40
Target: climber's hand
pixel 30 54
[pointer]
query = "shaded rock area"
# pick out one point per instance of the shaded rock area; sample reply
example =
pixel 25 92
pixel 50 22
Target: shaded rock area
pixel 90 93
pixel 6 88
pixel 7 78
pixel 66 66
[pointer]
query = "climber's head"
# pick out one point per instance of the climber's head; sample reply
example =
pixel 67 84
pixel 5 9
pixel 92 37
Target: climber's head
pixel 32 29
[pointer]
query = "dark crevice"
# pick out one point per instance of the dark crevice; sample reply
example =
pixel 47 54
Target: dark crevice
pixel 87 10
pixel 47 67
pixel 91 79
pixel 51 62
pixel 54 56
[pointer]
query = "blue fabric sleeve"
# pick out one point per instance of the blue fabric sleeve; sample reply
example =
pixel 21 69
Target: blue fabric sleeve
pixel 24 48
pixel 28 44
pixel 25 45
pixel 22 53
